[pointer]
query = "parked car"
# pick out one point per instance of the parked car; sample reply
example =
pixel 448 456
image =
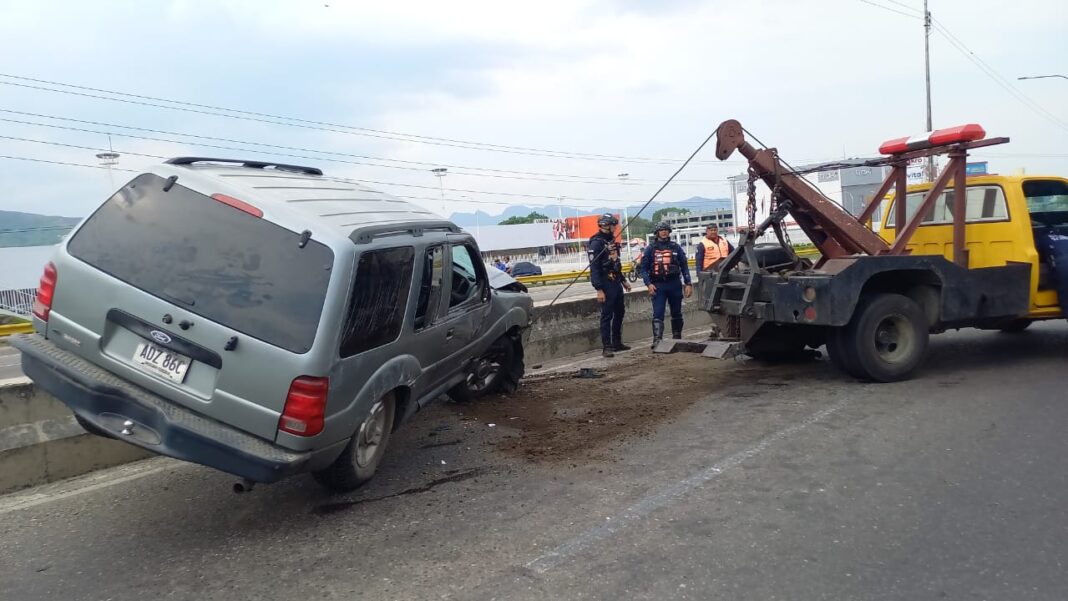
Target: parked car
pixel 265 320
pixel 524 268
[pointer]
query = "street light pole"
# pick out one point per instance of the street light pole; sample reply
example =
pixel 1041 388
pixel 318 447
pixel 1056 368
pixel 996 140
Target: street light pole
pixel 441 172
pixel 626 219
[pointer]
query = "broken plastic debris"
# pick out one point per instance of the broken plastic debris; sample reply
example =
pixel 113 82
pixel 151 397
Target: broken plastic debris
pixel 443 462
pixel 493 425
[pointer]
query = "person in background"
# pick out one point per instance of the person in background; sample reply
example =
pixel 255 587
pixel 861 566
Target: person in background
pixel 712 248
pixel 499 264
pixel 667 275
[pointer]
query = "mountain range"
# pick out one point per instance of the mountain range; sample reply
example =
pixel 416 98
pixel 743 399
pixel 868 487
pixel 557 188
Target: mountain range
pixel 31 229
pixel 694 204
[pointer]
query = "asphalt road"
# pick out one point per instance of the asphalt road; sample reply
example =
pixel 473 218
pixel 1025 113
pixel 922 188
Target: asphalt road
pixel 10 362
pixel 784 483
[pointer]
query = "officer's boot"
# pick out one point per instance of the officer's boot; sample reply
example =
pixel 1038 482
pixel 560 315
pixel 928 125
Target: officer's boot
pixel 658 331
pixel 619 346
pixel 607 352
pixel 676 328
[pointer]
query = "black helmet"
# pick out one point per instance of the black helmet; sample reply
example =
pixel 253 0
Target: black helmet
pixel 607 219
pixel 663 225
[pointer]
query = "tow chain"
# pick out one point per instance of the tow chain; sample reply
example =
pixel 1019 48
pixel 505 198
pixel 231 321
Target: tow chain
pixel 751 204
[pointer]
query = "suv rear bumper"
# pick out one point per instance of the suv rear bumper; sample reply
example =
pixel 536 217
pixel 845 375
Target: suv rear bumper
pixel 105 403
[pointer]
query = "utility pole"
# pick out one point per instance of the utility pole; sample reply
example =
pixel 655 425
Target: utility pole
pixel 927 60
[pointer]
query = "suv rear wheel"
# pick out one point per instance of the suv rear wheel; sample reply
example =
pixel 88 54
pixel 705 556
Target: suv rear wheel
pixel 358 462
pixel 497 371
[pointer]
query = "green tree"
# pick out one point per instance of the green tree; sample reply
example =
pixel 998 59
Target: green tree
pixel 518 220
pixel 659 213
pixel 640 227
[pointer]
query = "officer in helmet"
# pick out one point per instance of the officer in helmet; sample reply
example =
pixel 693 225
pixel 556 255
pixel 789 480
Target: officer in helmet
pixel 606 275
pixel 665 272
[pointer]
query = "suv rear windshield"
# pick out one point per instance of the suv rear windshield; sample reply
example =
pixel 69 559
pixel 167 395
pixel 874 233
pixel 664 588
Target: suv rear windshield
pixel 211 259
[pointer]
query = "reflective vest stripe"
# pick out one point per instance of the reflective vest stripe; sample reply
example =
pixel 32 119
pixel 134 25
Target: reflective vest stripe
pixel 714 251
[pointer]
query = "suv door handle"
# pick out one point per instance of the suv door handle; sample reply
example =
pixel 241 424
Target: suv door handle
pixel 450 333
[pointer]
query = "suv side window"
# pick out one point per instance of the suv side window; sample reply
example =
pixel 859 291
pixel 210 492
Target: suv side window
pixel 379 299
pixel 467 281
pixel 430 287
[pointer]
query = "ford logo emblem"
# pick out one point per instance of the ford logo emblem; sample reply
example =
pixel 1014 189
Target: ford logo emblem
pixel 161 337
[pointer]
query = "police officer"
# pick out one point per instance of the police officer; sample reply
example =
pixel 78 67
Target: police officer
pixel 606 275
pixel 665 272
pixel 712 248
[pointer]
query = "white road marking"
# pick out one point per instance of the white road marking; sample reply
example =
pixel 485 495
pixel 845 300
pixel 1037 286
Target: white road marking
pixel 668 495
pixel 51 493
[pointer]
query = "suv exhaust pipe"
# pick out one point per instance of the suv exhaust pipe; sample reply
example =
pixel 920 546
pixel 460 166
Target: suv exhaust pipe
pixel 243 486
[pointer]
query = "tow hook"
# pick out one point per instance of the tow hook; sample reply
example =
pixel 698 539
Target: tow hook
pixel 243 486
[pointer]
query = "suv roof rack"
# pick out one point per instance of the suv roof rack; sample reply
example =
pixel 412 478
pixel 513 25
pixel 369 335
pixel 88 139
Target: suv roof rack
pixel 244 163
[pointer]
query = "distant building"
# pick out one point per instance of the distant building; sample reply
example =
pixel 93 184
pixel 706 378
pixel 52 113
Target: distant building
pixel 688 228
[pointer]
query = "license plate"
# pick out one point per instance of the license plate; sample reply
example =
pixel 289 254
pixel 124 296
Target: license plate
pixel 160 361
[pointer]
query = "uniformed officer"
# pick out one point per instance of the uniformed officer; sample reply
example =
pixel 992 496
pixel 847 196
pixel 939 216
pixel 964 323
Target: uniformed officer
pixel 606 275
pixel 665 272
pixel 712 248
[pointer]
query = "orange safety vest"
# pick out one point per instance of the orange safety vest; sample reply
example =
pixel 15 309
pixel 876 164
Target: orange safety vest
pixel 714 251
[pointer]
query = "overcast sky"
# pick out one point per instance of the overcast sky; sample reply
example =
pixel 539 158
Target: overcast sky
pixel 473 85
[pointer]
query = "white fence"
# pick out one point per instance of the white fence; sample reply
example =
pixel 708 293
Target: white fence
pixel 18 301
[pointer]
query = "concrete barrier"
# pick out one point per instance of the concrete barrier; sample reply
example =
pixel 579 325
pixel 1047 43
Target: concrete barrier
pixel 570 328
pixel 41 442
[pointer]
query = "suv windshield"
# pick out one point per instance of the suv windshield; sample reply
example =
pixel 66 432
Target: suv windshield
pixel 211 259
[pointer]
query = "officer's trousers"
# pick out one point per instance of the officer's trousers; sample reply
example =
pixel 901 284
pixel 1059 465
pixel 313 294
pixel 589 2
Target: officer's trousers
pixel 612 314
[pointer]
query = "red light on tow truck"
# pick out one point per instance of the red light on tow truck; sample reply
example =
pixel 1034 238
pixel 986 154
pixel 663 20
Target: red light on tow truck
pixel 941 137
pixel 240 205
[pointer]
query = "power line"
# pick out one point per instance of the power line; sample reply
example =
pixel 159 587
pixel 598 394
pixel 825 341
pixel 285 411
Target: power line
pixel 990 72
pixel 496 173
pixel 893 10
pixel 244 115
pixel 905 6
pixel 43 228
pixel 14 158
pixel 594 202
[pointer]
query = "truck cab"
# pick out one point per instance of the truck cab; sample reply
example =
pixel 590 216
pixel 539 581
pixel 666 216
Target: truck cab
pixel 1005 215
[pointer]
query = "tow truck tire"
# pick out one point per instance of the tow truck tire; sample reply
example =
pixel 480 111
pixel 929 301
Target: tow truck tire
pixel 887 338
pixel 841 355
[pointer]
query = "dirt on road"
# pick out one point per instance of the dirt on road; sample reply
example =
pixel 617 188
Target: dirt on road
pixel 561 418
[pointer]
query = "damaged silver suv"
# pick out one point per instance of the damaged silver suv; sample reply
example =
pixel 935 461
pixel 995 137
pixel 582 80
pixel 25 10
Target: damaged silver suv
pixel 265 320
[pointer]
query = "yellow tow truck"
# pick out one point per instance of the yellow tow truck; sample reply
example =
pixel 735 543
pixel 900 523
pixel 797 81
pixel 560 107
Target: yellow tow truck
pixel 992 258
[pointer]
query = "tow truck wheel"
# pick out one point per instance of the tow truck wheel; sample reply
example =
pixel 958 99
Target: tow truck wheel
pixel 840 353
pixel 886 339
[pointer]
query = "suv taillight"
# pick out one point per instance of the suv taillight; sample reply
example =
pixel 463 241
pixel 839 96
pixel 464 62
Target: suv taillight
pixel 42 306
pixel 305 406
